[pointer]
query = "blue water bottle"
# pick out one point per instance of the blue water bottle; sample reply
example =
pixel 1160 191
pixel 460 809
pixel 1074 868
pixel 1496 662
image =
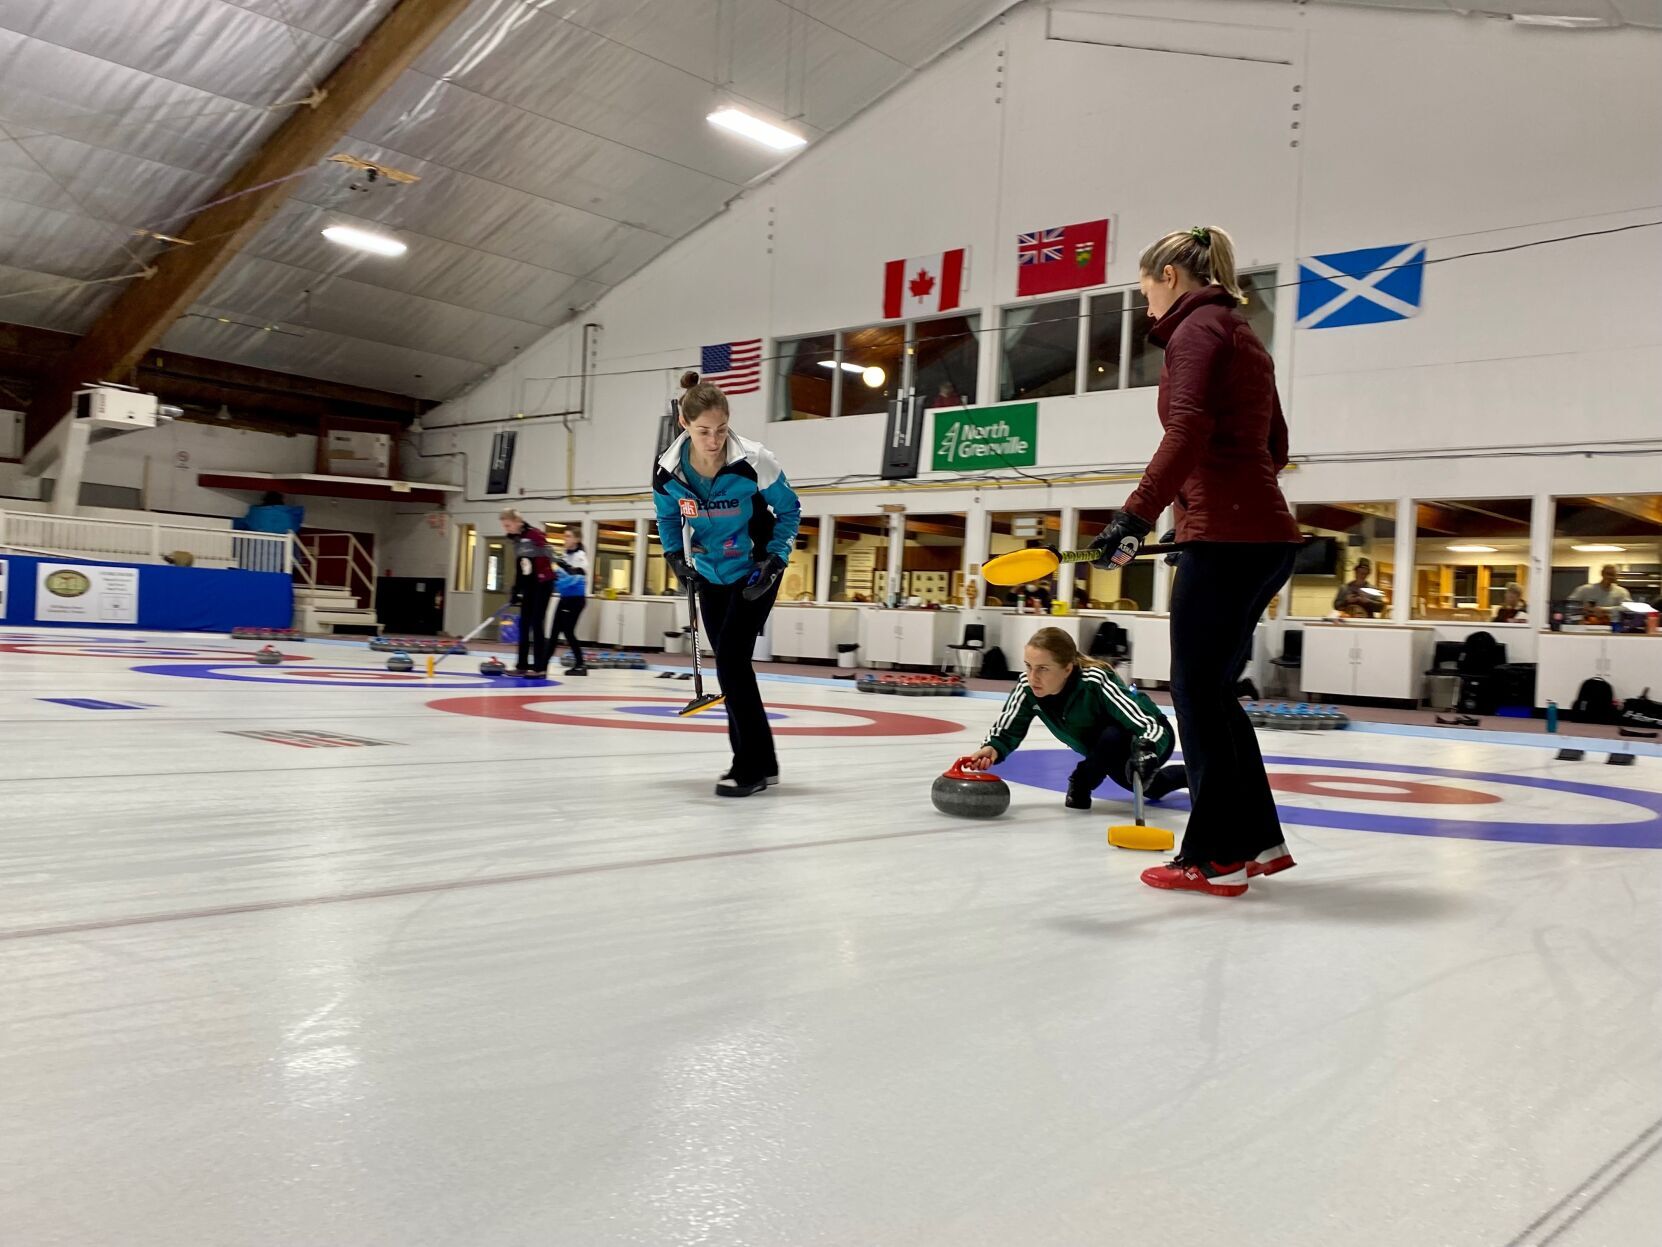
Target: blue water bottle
pixel 1552 716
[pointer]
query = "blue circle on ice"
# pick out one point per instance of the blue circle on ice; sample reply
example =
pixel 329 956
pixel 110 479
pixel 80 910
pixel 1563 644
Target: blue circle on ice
pixel 1050 768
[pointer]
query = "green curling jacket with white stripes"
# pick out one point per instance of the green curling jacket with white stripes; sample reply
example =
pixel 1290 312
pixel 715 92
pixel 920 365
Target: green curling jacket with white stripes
pixel 1092 698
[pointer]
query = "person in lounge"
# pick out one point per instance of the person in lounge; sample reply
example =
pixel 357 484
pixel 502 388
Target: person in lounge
pixel 1602 595
pixel 1356 597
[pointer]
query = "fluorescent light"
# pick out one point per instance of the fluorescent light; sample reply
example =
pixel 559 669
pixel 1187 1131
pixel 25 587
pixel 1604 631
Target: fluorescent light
pixel 859 368
pixel 755 129
pixel 1471 549
pixel 1559 20
pixel 364 240
pixel 1599 549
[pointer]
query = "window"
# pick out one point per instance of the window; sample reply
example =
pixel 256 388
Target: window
pixel 872 365
pixel 1354 549
pixel 1106 341
pixel 857 372
pixel 614 556
pixel 659 582
pixel 1039 354
pixel 932 560
pixel 1093 342
pixel 467 549
pixel 801 576
pixel 1466 552
pixel 1620 531
pixel 1018 530
pixel 945 356
pixel 859 558
pixel 807 390
pixel 1124 589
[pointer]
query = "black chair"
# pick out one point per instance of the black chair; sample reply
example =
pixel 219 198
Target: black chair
pixel 1481 656
pixel 1111 642
pixel 1446 658
pixel 1292 652
pixel 966 655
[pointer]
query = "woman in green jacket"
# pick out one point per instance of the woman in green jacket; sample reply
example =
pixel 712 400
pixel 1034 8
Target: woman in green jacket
pixel 1091 711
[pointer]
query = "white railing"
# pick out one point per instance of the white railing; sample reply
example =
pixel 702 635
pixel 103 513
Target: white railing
pixel 324 560
pixel 133 541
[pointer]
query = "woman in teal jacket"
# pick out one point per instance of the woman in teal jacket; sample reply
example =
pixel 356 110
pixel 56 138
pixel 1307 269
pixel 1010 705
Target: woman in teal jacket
pixel 728 520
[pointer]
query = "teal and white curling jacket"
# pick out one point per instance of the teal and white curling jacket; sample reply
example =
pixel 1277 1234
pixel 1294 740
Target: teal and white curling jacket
pixel 737 518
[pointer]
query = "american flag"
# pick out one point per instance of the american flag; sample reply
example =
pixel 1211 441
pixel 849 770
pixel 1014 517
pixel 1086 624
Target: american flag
pixel 735 366
pixel 1040 247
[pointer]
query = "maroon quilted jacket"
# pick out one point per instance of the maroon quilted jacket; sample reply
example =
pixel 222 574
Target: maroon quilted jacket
pixel 1225 436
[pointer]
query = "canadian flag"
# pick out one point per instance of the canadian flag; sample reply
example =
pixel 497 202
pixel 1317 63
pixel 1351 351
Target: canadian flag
pixel 925 284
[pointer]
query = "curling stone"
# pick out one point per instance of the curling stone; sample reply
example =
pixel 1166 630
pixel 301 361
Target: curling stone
pixel 267 657
pixel 492 666
pixel 970 794
pixel 400 661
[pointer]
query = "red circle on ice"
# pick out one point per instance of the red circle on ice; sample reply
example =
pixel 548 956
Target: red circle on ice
pixel 520 709
pixel 1362 788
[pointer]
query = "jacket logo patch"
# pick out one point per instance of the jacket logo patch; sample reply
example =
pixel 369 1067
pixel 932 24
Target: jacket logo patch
pixel 689 508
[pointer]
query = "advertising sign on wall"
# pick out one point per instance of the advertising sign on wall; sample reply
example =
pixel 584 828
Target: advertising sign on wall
pixel 984 439
pixel 85 593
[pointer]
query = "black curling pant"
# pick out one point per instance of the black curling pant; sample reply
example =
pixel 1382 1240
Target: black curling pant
pixel 566 615
pixel 1110 758
pixel 733 625
pixel 536 598
pixel 1218 597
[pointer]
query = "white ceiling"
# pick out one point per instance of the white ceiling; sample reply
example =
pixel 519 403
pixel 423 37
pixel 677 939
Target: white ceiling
pixel 561 144
pixel 560 147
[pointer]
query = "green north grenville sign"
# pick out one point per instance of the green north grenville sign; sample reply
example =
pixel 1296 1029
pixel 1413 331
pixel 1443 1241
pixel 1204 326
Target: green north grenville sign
pixel 986 438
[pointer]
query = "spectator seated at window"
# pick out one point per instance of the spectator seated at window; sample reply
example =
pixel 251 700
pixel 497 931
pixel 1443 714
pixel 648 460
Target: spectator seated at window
pixel 1512 610
pixel 1598 598
pixel 1357 599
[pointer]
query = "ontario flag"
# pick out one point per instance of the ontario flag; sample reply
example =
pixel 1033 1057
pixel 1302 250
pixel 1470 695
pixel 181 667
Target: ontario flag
pixel 925 284
pixel 1068 257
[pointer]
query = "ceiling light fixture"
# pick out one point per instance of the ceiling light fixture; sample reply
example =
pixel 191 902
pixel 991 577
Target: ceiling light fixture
pixel 364 240
pixel 874 377
pixel 1597 548
pixel 859 368
pixel 755 129
pixel 1471 549
pixel 1560 21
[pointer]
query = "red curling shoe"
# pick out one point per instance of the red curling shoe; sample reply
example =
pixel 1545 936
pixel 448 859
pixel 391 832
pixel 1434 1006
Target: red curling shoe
pixel 1217 878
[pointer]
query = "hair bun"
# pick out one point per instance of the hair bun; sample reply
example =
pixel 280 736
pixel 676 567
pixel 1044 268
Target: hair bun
pixel 689 379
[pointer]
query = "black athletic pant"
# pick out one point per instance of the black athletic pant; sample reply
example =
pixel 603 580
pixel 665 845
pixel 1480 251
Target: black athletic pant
pixel 535 598
pixel 1110 758
pixel 733 625
pixel 566 615
pixel 1219 595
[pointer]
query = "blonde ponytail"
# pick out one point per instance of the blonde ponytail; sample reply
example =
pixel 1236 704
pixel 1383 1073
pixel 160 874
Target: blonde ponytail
pixel 1206 253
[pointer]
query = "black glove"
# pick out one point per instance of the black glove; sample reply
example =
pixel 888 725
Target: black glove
pixel 683 570
pixel 1120 541
pixel 1166 539
pixel 763 578
pixel 1144 761
pixel 517 597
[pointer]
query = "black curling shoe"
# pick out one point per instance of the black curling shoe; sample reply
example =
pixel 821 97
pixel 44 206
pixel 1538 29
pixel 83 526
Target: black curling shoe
pixel 772 781
pixel 1079 797
pixel 727 786
pixel 580 670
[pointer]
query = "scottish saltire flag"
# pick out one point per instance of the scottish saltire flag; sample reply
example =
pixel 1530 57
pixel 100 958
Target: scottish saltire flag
pixel 1364 287
pixel 735 366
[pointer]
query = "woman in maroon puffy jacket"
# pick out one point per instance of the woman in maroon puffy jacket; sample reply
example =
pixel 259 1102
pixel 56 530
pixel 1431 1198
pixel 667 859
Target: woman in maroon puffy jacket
pixel 1225 441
